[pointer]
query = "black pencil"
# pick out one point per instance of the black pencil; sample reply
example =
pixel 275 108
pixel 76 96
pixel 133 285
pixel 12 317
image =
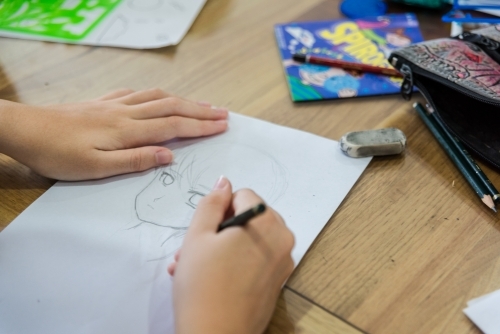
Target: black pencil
pixel 243 217
pixel 455 156
pixel 467 157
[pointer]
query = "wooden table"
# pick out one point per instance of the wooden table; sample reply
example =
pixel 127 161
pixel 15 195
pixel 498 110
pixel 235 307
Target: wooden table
pixel 409 245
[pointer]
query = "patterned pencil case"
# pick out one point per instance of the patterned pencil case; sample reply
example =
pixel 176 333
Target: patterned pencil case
pixel 460 79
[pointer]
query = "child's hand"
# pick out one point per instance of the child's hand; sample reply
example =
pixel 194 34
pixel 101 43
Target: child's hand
pixel 228 282
pixel 113 135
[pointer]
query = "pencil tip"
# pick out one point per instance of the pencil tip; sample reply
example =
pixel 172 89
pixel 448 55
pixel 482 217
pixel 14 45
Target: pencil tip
pixel 489 202
pixel 260 208
pixel 300 57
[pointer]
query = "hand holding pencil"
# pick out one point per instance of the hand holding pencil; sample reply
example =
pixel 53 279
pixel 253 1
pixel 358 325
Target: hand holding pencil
pixel 229 280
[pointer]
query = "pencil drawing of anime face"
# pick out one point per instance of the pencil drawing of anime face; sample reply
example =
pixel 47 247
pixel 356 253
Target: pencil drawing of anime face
pixel 170 199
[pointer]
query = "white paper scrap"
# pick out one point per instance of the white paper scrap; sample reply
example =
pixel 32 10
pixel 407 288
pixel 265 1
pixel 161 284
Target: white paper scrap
pixel 485 312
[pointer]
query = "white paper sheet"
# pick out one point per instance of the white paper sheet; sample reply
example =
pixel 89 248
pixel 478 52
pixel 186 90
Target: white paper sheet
pixel 138 24
pixel 91 257
pixel 484 311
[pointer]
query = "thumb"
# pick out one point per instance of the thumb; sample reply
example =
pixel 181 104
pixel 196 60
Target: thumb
pixel 212 208
pixel 132 160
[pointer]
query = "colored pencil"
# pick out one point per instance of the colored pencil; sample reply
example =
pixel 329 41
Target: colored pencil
pixel 243 218
pixel 347 65
pixel 456 156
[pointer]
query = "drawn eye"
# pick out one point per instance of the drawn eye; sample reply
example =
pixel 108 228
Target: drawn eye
pixel 195 198
pixel 166 178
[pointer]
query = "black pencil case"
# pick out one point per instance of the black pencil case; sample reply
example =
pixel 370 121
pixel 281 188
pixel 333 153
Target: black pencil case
pixel 460 79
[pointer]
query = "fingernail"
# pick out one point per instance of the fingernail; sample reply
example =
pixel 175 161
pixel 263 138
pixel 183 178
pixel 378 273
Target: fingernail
pixel 171 269
pixel 221 182
pixel 204 103
pixel 221 121
pixel 163 157
pixel 222 110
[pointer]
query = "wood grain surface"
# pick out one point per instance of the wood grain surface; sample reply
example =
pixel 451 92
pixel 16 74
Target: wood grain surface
pixel 296 314
pixel 409 245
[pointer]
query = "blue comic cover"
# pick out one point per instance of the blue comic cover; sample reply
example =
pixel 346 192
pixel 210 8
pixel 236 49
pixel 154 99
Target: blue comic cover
pixel 367 40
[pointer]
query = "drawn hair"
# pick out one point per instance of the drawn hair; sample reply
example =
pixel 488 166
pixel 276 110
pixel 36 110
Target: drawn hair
pixel 192 162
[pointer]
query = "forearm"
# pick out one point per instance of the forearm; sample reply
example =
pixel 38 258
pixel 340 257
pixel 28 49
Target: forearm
pixel 21 137
pixel 209 321
pixel 8 125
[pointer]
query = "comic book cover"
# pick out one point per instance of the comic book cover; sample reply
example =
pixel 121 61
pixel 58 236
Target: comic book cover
pixel 367 40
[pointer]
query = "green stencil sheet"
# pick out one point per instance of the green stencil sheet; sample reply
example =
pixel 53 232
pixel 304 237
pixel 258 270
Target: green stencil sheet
pixel 65 19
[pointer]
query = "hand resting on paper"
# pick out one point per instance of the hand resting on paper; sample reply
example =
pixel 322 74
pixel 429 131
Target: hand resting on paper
pixel 229 282
pixel 112 135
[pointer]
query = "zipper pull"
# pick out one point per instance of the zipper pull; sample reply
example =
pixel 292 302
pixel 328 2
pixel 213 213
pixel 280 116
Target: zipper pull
pixel 407 85
pixel 479 40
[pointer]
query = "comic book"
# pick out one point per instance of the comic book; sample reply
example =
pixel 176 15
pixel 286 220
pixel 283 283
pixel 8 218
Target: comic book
pixel 367 40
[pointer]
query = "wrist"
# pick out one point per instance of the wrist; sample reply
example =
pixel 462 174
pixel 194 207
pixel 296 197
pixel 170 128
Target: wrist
pixel 209 328
pixel 5 125
pixel 13 129
pixel 209 323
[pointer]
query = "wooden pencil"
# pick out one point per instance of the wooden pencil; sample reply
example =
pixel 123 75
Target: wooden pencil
pixel 467 157
pixel 243 218
pixel 456 157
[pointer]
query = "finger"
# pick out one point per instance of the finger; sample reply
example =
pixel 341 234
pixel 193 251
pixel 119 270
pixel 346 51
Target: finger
pixel 204 104
pixel 158 130
pixel 211 209
pixel 174 106
pixel 268 229
pixel 245 199
pixel 143 96
pixel 131 160
pixel 171 268
pixel 177 255
pixel 115 94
